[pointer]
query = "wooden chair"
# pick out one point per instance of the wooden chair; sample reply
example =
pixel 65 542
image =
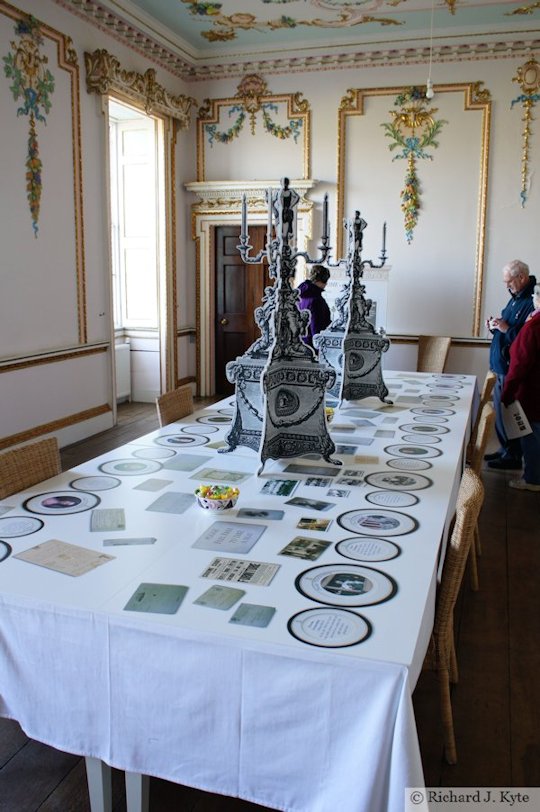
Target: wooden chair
pixel 485 397
pixel 441 655
pixel 486 424
pixel 22 467
pixel 432 353
pixel 174 405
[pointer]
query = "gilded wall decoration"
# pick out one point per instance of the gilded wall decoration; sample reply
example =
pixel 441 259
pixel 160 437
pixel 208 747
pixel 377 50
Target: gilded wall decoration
pixel 253 97
pixel 32 84
pixel 412 130
pixel 224 27
pixel 528 78
pixel 475 99
pixel 104 74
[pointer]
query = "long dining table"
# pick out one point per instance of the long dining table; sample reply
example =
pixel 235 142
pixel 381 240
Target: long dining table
pixel 268 651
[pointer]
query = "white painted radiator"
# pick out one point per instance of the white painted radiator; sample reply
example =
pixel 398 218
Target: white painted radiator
pixel 123 371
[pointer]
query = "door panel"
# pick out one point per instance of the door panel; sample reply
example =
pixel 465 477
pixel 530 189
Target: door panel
pixel 239 290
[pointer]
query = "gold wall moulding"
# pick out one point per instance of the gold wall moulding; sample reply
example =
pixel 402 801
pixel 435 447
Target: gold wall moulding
pixel 475 97
pixel 104 74
pixel 528 78
pixel 252 97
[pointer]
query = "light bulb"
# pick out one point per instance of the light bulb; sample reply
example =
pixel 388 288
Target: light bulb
pixel 429 89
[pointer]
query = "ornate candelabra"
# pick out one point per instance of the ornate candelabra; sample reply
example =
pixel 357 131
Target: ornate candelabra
pixel 351 345
pixel 280 384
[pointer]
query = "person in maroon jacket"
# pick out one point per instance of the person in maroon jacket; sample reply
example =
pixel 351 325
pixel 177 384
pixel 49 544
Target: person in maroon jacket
pixel 311 299
pixel 522 383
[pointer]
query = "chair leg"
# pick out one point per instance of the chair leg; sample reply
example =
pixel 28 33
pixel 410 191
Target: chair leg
pixel 99 785
pixel 453 670
pixel 447 717
pixel 474 567
pixel 477 542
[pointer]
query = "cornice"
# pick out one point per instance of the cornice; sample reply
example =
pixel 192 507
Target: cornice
pixel 228 194
pixel 508 45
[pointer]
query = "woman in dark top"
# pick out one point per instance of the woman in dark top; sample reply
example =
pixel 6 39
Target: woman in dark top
pixel 311 299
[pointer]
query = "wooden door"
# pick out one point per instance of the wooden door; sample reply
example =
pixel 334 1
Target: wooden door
pixel 239 290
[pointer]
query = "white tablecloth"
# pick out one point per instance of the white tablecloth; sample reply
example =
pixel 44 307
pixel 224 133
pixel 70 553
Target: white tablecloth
pixel 237 710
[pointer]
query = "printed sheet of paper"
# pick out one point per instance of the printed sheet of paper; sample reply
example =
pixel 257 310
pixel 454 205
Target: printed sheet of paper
pixel 230 537
pixel 220 597
pixel 303 547
pixel 235 569
pixel 106 519
pixel 69 559
pixel 253 614
pixel 162 599
pixel 219 475
pixel 152 484
pixel 172 502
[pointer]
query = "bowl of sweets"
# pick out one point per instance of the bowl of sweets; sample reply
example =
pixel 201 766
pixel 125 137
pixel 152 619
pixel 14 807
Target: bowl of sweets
pixel 216 497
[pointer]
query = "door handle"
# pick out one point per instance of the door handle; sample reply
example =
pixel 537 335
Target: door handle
pixel 224 322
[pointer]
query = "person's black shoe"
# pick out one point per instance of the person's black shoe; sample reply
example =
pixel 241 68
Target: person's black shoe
pixel 494 456
pixel 506 464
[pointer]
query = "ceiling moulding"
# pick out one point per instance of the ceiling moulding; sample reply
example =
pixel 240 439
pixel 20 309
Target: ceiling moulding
pixel 187 67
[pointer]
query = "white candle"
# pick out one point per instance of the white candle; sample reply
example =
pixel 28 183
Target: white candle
pixel 269 226
pixel 325 217
pixel 384 237
pixel 243 231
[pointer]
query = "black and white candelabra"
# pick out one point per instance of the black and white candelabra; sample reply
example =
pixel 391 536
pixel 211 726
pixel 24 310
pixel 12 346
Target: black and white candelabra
pixel 280 383
pixel 351 345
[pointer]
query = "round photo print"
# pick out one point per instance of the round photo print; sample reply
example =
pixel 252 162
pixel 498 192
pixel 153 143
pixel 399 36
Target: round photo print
pixel 433 411
pixel 435 421
pixel 436 397
pixel 398 482
pixel 154 453
pixel 195 428
pixel 329 628
pixel 424 428
pixel 371 522
pixel 94 483
pixel 215 419
pixel 60 503
pixel 181 440
pixel 368 549
pixel 417 451
pixel 393 499
pixel 13 527
pixel 413 438
pixel 5 550
pixel 130 467
pixel 408 464
pixel 347 585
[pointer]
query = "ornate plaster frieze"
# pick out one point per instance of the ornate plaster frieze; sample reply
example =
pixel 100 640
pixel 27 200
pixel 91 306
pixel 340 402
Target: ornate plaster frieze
pixel 105 74
pixel 509 46
pixel 227 195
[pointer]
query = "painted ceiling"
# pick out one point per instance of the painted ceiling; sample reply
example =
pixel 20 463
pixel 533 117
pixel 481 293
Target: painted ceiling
pixel 205 32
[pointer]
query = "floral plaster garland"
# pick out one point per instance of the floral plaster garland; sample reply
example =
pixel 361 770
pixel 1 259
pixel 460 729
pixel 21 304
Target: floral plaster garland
pixel 33 84
pixel 413 129
pixel 528 77
pixel 250 92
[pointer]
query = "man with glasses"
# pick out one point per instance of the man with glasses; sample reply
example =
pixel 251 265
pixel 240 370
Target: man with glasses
pixel 520 285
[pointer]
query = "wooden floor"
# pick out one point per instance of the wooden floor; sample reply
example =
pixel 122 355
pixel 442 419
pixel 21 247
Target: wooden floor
pixel 496 702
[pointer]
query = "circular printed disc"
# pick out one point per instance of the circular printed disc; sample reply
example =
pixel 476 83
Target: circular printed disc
pixel 14 526
pixel 130 467
pixel 329 627
pixel 448 376
pixel 61 503
pixel 440 398
pixel 424 428
pixel 413 438
pixel 154 453
pixel 412 451
pixel 347 585
pixel 392 499
pixel 371 522
pixel 442 385
pixel 215 419
pixel 227 411
pixel 409 464
pixel 195 428
pixel 368 549
pixel 398 482
pixel 94 483
pixel 435 421
pixel 433 411
pixel 181 440
pixel 5 550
